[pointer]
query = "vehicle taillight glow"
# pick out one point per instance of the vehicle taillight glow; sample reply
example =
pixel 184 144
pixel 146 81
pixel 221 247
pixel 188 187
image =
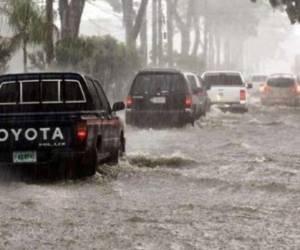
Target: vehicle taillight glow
pixel 188 102
pixel 243 95
pixel 295 89
pixel 129 102
pixel 262 88
pixel 82 131
pixel 266 89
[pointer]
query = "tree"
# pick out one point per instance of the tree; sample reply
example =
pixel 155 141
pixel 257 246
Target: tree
pixel 26 20
pixel 133 22
pixel 49 33
pixel 6 49
pixel 70 13
pixel 105 58
pixel 292 8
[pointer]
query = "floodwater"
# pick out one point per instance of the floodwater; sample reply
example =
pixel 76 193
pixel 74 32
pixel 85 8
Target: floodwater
pixel 230 182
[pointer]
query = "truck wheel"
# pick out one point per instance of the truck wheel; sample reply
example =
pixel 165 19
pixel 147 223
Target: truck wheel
pixel 84 167
pixel 89 164
pixel 115 155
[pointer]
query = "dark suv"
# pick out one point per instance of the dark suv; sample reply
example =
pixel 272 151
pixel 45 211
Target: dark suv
pixel 164 97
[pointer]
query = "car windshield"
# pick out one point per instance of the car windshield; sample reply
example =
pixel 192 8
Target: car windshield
pixel 151 84
pixel 223 80
pixel 281 82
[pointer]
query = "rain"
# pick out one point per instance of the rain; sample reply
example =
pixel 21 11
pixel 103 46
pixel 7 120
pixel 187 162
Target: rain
pixel 149 124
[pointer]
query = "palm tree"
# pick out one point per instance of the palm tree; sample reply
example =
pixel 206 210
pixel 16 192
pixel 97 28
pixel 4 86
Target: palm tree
pixel 26 20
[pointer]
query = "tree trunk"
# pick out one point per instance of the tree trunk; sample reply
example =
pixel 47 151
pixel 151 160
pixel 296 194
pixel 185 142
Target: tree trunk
pixel 139 19
pixel 70 17
pixel 25 66
pixel 160 33
pixel 144 42
pixel 49 36
pixel 170 28
pixel 197 36
pixel 128 17
pixel 218 51
pixel 154 32
pixel 133 24
pixel 185 28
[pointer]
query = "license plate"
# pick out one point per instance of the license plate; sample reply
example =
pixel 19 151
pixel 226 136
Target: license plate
pixel 158 100
pixel 24 157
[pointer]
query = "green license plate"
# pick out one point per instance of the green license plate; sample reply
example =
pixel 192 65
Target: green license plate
pixel 24 157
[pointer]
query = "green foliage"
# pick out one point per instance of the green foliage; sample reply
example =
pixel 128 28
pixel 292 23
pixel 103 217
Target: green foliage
pixel 104 58
pixel 5 54
pixel 193 63
pixel 292 8
pixel 26 19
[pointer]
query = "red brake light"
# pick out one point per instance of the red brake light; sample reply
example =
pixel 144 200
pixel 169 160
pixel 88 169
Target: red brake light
pixel 295 89
pixel 82 131
pixel 267 89
pixel 129 102
pixel 188 102
pixel 243 95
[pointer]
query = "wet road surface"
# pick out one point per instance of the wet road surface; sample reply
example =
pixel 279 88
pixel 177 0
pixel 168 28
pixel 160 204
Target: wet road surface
pixel 230 182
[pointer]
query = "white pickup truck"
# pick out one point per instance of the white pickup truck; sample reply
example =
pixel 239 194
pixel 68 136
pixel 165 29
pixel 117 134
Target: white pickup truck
pixel 228 89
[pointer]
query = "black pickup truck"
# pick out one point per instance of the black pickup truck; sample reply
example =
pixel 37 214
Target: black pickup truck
pixel 59 120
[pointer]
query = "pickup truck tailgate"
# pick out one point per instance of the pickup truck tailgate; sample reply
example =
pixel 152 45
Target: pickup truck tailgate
pixel 36 132
pixel 220 94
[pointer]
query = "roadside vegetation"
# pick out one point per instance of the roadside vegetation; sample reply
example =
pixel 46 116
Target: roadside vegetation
pixel 211 35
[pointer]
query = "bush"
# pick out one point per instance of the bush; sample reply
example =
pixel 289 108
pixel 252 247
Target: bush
pixel 104 58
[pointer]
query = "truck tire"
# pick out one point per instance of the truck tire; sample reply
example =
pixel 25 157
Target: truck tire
pixel 89 166
pixel 82 167
pixel 115 155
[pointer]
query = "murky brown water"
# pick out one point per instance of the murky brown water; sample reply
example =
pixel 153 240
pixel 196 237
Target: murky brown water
pixel 231 182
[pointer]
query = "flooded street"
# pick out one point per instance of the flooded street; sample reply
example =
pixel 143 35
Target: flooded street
pixel 230 182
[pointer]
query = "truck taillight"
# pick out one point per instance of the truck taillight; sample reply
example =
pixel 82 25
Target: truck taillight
pixel 243 95
pixel 82 131
pixel 188 101
pixel 129 102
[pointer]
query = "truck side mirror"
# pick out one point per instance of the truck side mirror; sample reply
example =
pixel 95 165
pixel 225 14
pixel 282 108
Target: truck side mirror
pixel 249 85
pixel 118 106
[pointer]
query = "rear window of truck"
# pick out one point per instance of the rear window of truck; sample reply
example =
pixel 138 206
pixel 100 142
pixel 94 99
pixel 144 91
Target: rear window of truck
pixel 281 82
pixel 44 91
pixel 223 80
pixel 165 83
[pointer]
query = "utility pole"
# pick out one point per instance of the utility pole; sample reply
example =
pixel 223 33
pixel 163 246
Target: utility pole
pixel 49 32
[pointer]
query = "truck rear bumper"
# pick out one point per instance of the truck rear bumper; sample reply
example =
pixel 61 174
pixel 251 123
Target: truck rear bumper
pixel 237 106
pixel 44 158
